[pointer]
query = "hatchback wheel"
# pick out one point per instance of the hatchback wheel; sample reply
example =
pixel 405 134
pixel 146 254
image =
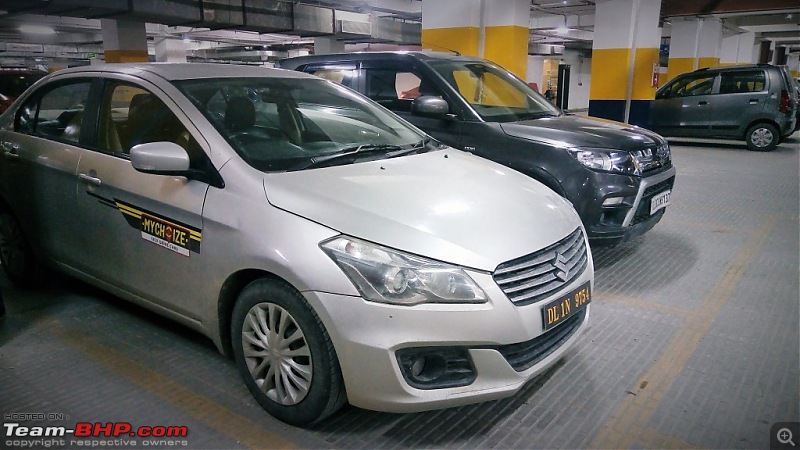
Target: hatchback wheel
pixel 762 137
pixel 285 355
pixel 16 256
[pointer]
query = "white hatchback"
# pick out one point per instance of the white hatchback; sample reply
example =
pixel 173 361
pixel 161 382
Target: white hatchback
pixel 338 253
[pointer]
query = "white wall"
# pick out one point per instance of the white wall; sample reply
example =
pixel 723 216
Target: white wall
pixel 579 79
pixel 535 71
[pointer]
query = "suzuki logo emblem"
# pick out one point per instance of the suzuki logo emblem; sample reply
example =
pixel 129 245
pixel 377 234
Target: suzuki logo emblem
pixel 560 264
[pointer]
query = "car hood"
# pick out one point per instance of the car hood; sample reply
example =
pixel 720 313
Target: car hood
pixel 446 205
pixel 589 132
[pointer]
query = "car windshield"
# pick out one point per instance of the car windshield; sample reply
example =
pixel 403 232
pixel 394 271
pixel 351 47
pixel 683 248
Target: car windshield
pixel 284 124
pixel 494 93
pixel 13 84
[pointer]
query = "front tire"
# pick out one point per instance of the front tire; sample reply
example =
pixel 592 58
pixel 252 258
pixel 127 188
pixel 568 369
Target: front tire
pixel 16 256
pixel 285 355
pixel 762 137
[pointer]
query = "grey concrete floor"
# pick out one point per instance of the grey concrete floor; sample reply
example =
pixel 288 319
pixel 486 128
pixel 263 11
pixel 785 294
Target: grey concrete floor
pixel 694 342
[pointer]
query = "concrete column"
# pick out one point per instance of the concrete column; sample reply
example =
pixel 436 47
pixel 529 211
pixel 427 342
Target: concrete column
pixel 737 49
pixel 327 45
pixel 579 80
pixel 170 50
pixel 124 41
pixel 695 44
pixel 793 64
pixel 493 29
pixel 624 57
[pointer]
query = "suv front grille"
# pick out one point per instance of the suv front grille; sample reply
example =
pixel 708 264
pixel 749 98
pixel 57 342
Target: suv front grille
pixel 526 354
pixel 541 274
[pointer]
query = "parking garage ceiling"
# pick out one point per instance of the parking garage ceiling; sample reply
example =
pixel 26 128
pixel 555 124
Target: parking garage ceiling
pixel 258 30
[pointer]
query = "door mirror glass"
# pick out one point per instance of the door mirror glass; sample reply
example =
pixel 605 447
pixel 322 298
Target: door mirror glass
pixel 431 106
pixel 161 158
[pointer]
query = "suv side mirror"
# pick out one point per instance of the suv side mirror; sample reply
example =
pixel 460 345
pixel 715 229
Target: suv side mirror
pixel 160 158
pixel 430 106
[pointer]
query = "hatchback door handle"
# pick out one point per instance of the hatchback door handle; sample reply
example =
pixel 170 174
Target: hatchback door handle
pixel 702 102
pixel 753 101
pixel 88 179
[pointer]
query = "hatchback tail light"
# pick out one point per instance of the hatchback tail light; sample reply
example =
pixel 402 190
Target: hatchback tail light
pixel 786 102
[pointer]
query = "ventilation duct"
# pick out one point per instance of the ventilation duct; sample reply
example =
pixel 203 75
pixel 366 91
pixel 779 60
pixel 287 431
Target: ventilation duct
pixel 312 20
pixel 89 9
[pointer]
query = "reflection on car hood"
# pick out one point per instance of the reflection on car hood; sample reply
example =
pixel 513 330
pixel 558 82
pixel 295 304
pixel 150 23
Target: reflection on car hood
pixel 446 205
pixel 574 131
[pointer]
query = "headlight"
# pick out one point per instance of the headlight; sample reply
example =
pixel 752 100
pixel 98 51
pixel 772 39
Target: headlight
pixel 390 276
pixel 606 160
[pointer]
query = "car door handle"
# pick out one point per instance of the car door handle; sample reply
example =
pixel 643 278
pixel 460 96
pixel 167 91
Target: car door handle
pixel 702 102
pixel 88 179
pixel 10 149
pixel 753 101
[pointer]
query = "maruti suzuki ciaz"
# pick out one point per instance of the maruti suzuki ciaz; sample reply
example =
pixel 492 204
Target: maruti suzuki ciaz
pixel 335 251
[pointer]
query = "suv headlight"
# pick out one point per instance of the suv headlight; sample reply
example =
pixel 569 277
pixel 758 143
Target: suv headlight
pixel 391 276
pixel 606 160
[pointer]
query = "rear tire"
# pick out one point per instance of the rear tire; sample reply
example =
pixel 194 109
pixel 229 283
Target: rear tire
pixel 762 137
pixel 285 355
pixel 16 256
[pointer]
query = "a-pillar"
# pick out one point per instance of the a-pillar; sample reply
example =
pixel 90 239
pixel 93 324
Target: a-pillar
pixel 497 30
pixel 124 41
pixel 170 50
pixel 694 44
pixel 737 49
pixel 625 59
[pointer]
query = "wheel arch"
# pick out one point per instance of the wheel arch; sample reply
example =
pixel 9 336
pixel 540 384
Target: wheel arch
pixel 228 294
pixel 760 121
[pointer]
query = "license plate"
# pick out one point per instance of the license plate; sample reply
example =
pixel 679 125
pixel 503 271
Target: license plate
pixel 659 201
pixel 565 306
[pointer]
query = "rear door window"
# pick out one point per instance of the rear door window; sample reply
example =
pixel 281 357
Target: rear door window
pixel 742 81
pixel 58 113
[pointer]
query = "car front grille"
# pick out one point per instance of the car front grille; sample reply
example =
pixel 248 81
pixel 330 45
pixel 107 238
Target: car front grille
pixel 541 274
pixel 526 354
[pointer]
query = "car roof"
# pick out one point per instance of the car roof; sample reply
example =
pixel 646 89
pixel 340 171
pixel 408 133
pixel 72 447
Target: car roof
pixel 399 55
pixel 186 71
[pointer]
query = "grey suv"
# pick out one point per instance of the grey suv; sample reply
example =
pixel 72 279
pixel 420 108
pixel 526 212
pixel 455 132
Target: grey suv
pixel 618 177
pixel 755 103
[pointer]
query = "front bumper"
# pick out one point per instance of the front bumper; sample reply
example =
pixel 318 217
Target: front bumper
pixel 366 336
pixel 632 219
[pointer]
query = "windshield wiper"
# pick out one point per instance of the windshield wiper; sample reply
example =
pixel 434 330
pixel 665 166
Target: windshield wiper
pixel 389 150
pixel 536 115
pixel 347 152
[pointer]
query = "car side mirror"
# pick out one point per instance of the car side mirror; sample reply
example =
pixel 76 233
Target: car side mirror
pixel 160 158
pixel 430 106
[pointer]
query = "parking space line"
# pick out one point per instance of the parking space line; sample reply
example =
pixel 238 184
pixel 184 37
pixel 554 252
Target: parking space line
pixel 627 425
pixel 641 304
pixel 201 408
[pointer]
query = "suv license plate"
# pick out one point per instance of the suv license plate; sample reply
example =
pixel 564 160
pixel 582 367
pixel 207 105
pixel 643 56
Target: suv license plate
pixel 659 201
pixel 565 306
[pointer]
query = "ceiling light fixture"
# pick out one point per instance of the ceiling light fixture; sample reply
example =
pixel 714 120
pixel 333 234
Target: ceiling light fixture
pixel 36 29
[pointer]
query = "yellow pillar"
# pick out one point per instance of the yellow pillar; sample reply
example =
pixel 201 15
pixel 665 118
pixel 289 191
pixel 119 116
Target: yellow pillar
pixel 695 43
pixel 124 41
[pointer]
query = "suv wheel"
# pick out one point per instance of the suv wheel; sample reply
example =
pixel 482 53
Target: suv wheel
pixel 762 137
pixel 16 256
pixel 285 355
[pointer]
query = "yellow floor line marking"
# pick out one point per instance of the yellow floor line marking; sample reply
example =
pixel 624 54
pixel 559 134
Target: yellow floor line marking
pixel 625 427
pixel 201 408
pixel 641 304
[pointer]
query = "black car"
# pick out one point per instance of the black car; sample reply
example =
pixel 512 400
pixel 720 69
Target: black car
pixel 618 177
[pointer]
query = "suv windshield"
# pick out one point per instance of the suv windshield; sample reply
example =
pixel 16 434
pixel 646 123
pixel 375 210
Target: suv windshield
pixel 494 93
pixel 281 124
